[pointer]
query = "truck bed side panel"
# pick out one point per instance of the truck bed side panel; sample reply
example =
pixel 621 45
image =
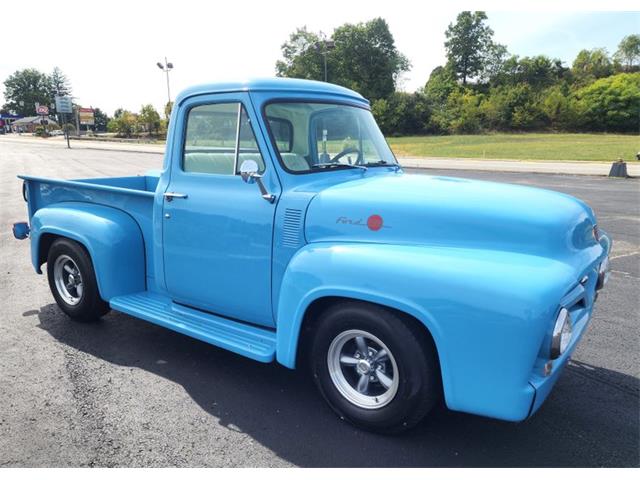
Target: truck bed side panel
pixel 131 195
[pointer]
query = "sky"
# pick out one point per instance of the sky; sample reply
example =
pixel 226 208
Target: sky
pixel 109 50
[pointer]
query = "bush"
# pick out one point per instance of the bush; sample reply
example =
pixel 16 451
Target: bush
pixel 609 104
pixel 124 125
pixel 401 113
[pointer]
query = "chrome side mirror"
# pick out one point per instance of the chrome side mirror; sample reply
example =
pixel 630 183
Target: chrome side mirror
pixel 249 174
pixel 248 171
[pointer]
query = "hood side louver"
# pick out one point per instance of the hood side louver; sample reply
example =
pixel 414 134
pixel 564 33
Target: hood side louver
pixel 292 228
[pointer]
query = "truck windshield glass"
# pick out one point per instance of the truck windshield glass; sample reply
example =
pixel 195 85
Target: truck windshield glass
pixel 320 136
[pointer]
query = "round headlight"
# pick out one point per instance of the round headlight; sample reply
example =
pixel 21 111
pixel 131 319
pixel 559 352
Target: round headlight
pixel 561 333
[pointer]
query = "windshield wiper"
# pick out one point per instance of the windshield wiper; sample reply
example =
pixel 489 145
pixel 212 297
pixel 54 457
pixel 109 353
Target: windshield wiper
pixel 348 165
pixel 383 162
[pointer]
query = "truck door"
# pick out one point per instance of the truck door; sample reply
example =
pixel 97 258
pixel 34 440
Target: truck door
pixel 217 229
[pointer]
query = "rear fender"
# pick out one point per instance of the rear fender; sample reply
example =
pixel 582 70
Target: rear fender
pixel 111 236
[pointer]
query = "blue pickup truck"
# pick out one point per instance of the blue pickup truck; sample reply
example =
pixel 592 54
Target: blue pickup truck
pixel 282 228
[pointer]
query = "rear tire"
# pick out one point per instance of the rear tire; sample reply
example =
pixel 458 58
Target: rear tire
pixel 72 281
pixel 402 385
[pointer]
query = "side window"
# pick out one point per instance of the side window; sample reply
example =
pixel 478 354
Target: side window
pixel 213 142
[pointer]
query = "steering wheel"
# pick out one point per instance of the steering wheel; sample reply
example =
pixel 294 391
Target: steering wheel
pixel 344 152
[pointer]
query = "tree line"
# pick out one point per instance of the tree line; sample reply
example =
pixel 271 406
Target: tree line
pixel 481 87
pixel 24 88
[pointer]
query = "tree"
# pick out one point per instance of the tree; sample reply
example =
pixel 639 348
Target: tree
pixel 125 124
pixel 629 51
pixel 24 88
pixel 364 58
pixel 168 108
pixel 101 120
pixel 469 44
pixel 401 113
pixel 59 82
pixel 149 118
pixel 301 58
pixel 610 104
pixel 592 64
pixel 539 71
pixel 494 62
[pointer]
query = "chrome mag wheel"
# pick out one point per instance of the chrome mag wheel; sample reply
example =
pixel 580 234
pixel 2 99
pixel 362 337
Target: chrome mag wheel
pixel 363 369
pixel 68 280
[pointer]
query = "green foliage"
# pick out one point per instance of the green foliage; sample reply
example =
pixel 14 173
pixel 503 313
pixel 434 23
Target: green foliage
pixel 530 93
pixel 513 107
pixel 401 113
pixel 24 88
pixel 59 82
pixel 628 53
pixel 366 58
pixel 149 118
pixel 360 56
pixel 168 108
pixel 470 47
pixel 610 104
pixel 301 58
pixel 592 64
pixel 101 120
pixel 125 124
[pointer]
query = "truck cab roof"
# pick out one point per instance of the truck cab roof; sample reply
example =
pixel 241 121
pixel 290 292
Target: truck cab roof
pixel 276 84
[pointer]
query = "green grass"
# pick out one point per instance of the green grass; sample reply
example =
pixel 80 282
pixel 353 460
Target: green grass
pixel 526 146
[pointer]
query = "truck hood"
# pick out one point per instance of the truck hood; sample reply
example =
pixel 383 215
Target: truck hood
pixel 453 212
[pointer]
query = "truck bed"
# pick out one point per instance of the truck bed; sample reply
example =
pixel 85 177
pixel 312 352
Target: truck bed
pixel 133 195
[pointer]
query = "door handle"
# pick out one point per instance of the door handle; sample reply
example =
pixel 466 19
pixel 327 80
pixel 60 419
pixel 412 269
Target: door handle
pixel 171 195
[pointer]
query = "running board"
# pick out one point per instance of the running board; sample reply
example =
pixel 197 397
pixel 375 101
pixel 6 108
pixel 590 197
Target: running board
pixel 253 342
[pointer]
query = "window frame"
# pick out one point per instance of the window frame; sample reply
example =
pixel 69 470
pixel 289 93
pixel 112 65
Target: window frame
pixel 237 150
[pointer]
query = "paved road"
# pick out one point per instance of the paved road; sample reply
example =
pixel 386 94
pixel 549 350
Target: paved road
pixel 127 393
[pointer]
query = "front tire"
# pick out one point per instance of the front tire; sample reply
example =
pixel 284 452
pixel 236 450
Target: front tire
pixel 72 281
pixel 374 367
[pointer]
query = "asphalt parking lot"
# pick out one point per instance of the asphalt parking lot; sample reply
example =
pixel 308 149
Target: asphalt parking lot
pixel 124 392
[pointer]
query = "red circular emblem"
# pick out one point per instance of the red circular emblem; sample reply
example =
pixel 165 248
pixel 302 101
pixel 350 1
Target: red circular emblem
pixel 374 222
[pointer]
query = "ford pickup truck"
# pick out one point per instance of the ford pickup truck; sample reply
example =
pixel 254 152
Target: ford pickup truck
pixel 281 227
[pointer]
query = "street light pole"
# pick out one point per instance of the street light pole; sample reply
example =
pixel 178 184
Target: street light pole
pixel 326 46
pixel 166 68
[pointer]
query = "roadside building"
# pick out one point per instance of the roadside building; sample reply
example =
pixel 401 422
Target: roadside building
pixel 6 119
pixel 29 124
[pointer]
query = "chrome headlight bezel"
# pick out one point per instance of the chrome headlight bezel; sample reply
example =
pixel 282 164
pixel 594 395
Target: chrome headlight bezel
pixel 604 270
pixel 561 336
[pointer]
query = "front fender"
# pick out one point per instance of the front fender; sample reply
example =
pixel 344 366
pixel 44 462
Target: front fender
pixel 487 311
pixel 112 238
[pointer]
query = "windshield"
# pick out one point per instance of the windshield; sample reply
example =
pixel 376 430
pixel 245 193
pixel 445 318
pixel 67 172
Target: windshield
pixel 319 136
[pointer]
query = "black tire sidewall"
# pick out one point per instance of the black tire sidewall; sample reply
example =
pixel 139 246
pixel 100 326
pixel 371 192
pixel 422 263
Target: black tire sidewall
pixel 417 367
pixel 91 305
